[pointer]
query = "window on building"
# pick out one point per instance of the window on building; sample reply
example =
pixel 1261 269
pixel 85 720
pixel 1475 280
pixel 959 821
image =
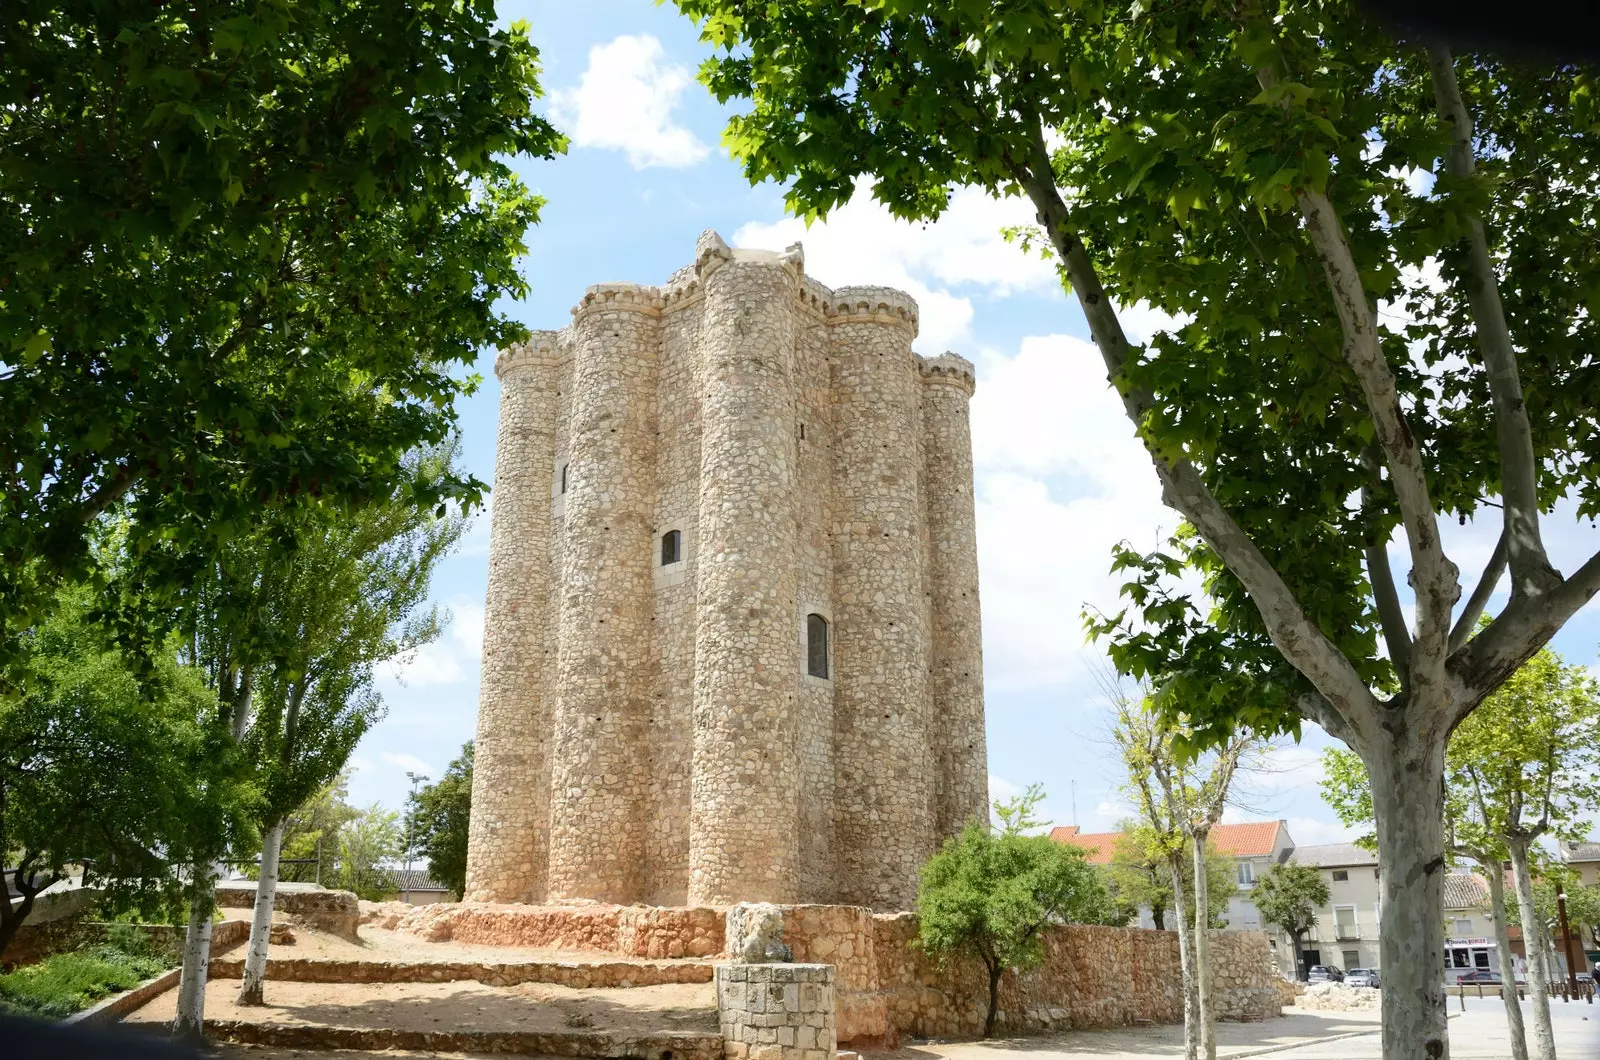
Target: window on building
pixel 1341 875
pixel 671 547
pixel 1480 958
pixel 1344 922
pixel 816 645
pixel 1247 873
pixel 563 478
pixel 1462 926
pixel 1352 959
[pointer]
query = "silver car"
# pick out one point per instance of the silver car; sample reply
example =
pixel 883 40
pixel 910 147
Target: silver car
pixel 1362 977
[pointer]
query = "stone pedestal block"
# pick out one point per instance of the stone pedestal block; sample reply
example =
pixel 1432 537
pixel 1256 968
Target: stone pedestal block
pixel 776 1011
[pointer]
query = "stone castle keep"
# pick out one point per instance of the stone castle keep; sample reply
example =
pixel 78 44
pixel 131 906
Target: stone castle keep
pixel 732 644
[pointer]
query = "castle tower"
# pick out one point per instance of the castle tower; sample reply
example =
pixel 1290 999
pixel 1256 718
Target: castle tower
pixel 731 648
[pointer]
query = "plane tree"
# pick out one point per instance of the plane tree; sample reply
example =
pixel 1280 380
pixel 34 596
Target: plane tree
pixel 248 254
pixel 1364 245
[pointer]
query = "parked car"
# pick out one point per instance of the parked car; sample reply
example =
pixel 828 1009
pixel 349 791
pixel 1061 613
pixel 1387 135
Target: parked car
pixel 1362 977
pixel 1480 975
pixel 1324 973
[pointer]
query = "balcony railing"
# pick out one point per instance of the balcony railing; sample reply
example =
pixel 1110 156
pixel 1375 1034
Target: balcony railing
pixel 1346 932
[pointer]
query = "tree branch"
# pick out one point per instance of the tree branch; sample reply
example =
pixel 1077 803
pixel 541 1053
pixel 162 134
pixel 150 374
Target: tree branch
pixel 1525 626
pixel 1531 572
pixel 1462 632
pixel 1390 615
pixel 1296 636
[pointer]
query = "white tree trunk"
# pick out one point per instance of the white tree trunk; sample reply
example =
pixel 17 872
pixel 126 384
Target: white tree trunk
pixel 1508 968
pixel 191 1019
pixel 1407 772
pixel 251 991
pixel 1202 950
pixel 1533 940
pixel 1191 995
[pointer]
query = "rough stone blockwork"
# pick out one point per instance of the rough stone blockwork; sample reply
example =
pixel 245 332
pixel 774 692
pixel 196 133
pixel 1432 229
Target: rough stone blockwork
pixel 336 912
pixel 732 645
pixel 884 986
pixel 776 1011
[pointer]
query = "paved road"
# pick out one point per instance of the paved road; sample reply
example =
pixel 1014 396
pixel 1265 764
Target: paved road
pixel 1478 1033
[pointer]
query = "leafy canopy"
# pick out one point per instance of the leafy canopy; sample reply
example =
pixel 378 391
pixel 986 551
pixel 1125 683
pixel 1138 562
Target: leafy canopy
pixel 86 742
pixel 1289 896
pixel 1192 142
pixel 438 825
pixel 247 251
pixel 991 892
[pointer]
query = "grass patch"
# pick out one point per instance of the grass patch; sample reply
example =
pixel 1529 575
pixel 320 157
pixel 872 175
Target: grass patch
pixel 58 986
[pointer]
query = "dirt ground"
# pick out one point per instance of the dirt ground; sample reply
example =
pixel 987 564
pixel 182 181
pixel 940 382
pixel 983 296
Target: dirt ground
pixel 379 944
pixel 539 1007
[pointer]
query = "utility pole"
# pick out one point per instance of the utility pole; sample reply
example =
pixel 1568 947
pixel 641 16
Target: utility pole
pixel 411 821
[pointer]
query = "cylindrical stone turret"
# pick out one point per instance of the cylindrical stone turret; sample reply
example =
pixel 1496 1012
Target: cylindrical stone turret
pixel 507 848
pixel 883 758
pixel 956 691
pixel 743 834
pixel 600 779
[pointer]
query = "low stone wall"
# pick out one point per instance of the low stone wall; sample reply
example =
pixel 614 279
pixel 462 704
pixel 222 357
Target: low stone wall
pixel 884 985
pixel 666 1045
pixel 36 942
pixel 579 975
pixel 655 932
pixel 336 912
pixel 776 1011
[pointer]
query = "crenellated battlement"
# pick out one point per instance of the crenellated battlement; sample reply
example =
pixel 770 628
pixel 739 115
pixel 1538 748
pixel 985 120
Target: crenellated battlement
pixel 949 368
pixel 882 304
pixel 542 348
pixel 630 296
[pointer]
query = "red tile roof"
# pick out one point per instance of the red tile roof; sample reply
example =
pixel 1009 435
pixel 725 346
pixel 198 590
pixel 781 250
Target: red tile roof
pixel 1251 839
pixel 1248 840
pixel 1097 846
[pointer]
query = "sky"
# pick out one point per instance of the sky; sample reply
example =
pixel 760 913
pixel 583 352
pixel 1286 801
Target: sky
pixel 1060 476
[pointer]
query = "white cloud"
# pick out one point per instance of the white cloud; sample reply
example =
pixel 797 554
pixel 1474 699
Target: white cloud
pixel 862 243
pixel 1060 480
pixel 1001 788
pixel 431 664
pixel 1141 321
pixel 624 102
pixel 408 762
pixel 466 628
pixel 1314 831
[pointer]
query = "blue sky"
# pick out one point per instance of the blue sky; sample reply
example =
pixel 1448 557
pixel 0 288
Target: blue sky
pixel 1059 477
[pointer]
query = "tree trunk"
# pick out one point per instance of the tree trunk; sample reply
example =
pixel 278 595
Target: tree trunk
pixel 190 1022
pixel 1299 956
pixel 251 991
pixel 995 972
pixel 1407 772
pixel 191 1019
pixel 1508 969
pixel 1191 997
pixel 1202 949
pixel 1533 940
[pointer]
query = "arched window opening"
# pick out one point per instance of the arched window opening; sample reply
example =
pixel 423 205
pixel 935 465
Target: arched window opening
pixel 671 547
pixel 816 645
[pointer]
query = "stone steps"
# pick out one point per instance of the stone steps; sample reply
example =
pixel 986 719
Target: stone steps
pixel 579 973
pixel 610 1045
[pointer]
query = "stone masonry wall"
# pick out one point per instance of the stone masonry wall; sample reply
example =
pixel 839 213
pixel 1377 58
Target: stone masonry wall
pixel 883 985
pixel 811 464
pixel 776 1011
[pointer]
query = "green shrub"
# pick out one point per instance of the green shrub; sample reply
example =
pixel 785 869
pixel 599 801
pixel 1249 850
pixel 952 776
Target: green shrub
pixel 58 986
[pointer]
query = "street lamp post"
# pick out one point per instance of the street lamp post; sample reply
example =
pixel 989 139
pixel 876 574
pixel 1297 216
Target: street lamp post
pixel 411 820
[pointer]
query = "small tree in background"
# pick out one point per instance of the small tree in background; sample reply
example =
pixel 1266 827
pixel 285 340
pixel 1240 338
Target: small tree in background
pixel 992 892
pixel 1289 896
pixel 365 845
pixel 312 831
pixel 1137 877
pixel 439 815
